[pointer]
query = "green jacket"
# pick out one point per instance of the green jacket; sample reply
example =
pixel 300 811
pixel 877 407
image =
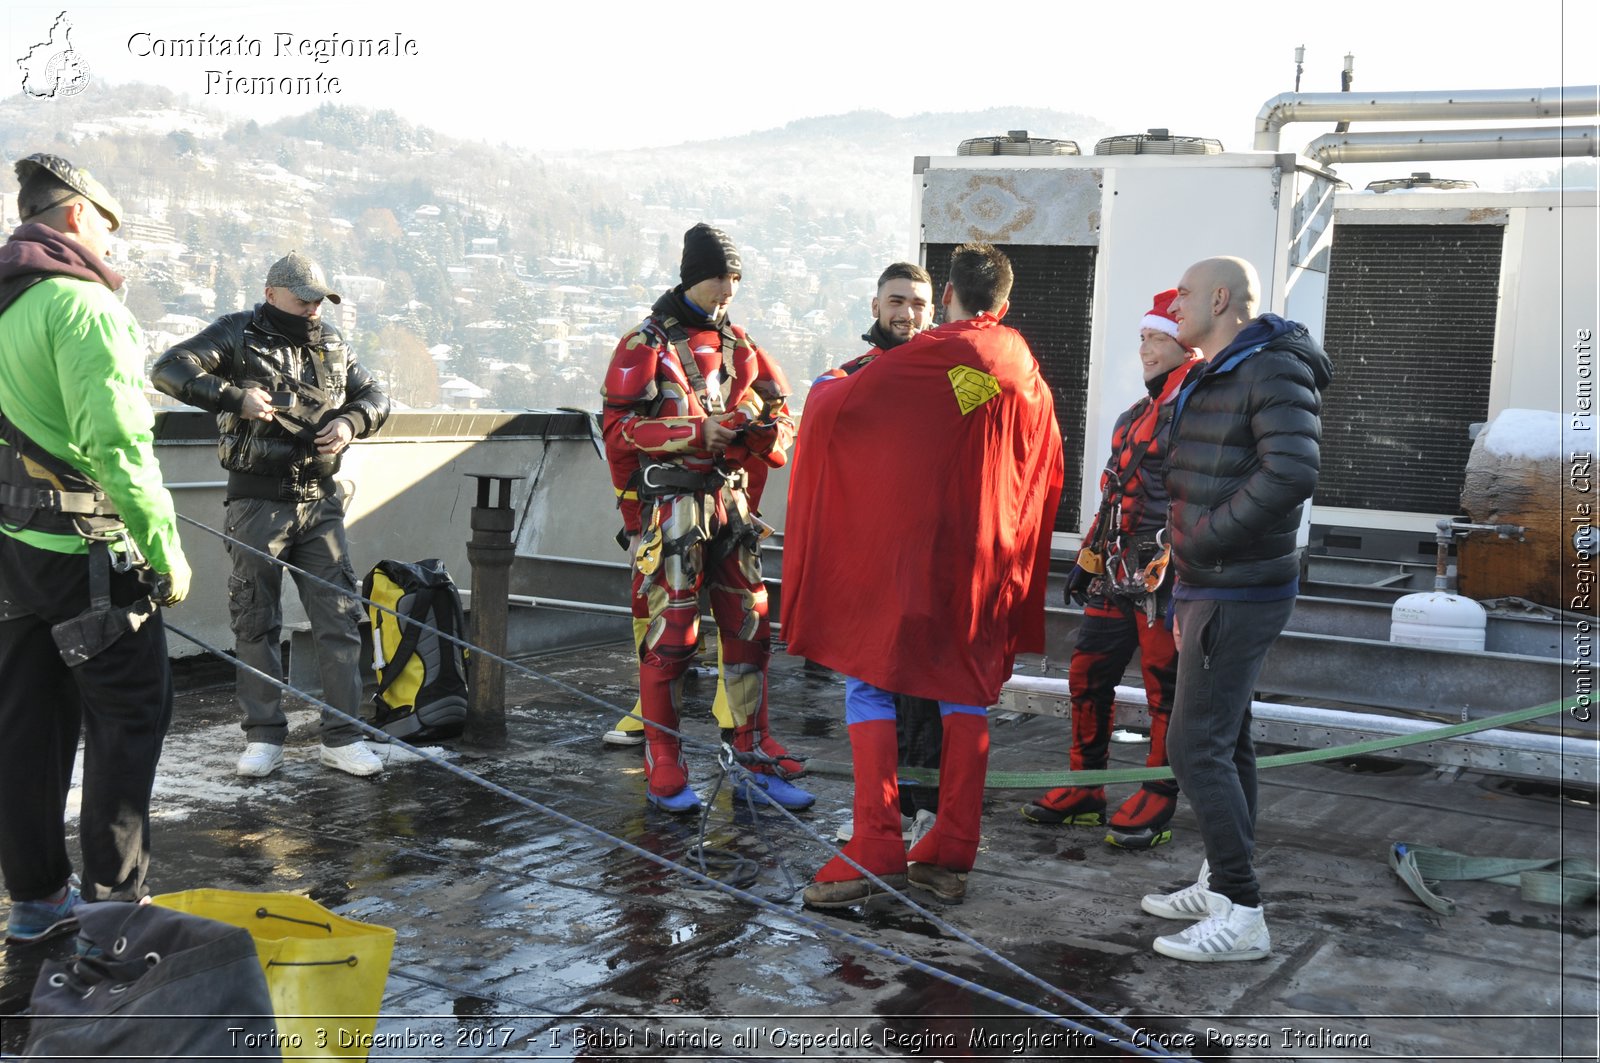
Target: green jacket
pixel 72 379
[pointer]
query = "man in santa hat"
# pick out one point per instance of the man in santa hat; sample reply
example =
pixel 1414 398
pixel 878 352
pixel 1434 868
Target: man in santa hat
pixel 1119 581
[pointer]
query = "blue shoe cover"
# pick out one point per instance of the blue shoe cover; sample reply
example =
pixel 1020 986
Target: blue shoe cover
pixel 770 789
pixel 681 803
pixel 32 921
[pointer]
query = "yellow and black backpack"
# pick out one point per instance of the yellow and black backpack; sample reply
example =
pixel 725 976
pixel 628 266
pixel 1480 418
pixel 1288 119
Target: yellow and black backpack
pixel 422 678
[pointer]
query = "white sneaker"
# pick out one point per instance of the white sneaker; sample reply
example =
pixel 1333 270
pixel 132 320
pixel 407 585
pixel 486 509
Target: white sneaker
pixel 1194 901
pixel 619 737
pixel 907 828
pixel 392 754
pixel 356 758
pixel 1235 933
pixel 920 826
pixel 259 760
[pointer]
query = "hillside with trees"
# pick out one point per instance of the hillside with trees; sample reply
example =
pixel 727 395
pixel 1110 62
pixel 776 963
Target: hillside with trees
pixel 486 274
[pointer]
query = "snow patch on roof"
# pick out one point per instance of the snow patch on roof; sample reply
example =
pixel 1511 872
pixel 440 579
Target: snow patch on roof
pixel 1536 435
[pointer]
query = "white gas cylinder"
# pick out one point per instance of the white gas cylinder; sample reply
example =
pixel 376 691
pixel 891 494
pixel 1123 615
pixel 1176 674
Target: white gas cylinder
pixel 1443 621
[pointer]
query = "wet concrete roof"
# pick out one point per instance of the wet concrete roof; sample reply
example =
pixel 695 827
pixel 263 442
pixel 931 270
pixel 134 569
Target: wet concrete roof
pixel 522 936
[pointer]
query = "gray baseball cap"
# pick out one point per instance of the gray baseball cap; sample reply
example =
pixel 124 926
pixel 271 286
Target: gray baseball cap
pixel 298 274
pixel 47 180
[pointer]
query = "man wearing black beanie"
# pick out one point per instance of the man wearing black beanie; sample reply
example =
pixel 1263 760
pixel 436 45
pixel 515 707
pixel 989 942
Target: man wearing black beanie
pixel 708 253
pixel 689 402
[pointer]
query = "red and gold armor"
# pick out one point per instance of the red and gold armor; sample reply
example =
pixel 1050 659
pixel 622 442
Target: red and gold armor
pixel 690 521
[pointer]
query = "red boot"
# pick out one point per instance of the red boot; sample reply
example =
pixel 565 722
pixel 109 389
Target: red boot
pixel 1070 806
pixel 663 755
pixel 940 861
pixel 1142 820
pixel 1149 809
pixel 876 845
pixel 753 734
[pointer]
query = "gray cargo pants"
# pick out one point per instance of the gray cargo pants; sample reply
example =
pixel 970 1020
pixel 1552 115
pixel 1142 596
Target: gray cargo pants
pixel 308 535
pixel 1208 740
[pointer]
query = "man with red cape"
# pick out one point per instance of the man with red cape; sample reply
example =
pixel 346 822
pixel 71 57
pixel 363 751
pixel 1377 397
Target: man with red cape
pixel 916 546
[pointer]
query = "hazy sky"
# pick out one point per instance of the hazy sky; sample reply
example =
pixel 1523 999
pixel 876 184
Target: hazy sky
pixel 624 74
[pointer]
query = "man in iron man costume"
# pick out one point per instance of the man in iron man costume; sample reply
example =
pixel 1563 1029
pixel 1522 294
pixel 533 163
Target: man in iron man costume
pixel 689 402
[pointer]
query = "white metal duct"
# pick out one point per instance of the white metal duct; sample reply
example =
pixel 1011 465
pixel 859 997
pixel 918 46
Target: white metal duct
pixel 1416 145
pixel 1467 106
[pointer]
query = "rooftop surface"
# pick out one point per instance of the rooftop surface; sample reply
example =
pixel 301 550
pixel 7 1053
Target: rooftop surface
pixel 520 935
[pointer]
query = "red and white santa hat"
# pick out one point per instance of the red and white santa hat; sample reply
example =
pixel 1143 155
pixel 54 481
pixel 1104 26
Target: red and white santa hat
pixel 1159 316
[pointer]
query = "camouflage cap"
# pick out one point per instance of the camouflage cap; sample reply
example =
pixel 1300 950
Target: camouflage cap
pixel 298 274
pixel 49 180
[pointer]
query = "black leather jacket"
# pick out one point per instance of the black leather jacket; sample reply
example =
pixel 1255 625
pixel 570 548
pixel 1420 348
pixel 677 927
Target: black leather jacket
pixel 277 458
pixel 1244 456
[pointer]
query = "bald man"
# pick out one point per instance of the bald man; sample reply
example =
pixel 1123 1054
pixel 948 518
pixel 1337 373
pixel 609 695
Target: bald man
pixel 1242 462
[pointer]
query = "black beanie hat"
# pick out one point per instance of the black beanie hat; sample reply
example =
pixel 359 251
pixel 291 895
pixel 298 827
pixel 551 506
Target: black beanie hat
pixel 707 252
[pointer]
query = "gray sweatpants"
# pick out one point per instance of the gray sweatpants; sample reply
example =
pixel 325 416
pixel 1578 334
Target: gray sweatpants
pixel 1208 740
pixel 308 535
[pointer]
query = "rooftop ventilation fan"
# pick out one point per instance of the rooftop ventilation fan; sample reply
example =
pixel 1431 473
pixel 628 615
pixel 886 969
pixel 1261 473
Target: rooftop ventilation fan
pixel 1419 180
pixel 1017 142
pixel 1157 142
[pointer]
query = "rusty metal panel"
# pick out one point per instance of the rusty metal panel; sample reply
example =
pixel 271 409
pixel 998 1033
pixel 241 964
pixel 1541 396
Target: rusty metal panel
pixel 1043 205
pixel 1413 216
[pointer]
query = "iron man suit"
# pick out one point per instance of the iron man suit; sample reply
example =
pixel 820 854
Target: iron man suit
pixel 687 510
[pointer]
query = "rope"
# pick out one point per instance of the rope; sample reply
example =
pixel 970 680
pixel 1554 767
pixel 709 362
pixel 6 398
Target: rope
pixel 997 780
pixel 706 880
pixel 731 761
pixel 584 695
pixel 1029 780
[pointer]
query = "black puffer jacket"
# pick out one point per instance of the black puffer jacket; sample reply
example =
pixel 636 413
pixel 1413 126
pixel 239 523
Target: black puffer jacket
pixel 274 458
pixel 1244 457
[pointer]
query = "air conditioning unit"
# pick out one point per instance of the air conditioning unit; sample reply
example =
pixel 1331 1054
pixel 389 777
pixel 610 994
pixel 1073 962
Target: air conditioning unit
pixel 1017 142
pixel 1157 142
pixel 1419 180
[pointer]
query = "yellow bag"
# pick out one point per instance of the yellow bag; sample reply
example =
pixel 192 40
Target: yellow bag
pixel 325 973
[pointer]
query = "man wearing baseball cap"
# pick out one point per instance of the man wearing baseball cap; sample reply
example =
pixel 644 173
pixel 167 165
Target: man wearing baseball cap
pixel 1122 612
pixel 289 397
pixel 88 549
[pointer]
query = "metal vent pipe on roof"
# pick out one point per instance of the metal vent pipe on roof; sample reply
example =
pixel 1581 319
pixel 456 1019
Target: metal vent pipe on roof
pixel 1466 106
pixel 1416 145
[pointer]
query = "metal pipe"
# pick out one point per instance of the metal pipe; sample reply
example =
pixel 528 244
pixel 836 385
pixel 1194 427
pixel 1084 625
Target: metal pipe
pixel 1548 745
pixel 1419 145
pixel 490 551
pixel 1556 101
pixel 1449 529
pixel 1441 565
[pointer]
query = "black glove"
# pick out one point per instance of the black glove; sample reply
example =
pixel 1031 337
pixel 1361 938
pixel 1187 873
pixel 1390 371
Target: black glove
pixel 1077 588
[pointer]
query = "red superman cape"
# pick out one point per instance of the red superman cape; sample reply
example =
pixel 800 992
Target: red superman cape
pixel 921 500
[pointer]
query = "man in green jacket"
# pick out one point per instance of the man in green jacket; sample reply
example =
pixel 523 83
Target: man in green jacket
pixel 89 550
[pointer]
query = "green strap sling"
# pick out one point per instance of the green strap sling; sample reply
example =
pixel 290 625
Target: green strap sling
pixel 1553 881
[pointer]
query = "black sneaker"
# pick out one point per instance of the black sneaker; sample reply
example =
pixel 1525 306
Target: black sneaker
pixel 1068 806
pixel 1138 839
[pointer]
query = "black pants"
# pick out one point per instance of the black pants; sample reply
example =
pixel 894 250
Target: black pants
pixel 121 702
pixel 1208 740
pixel 921 736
